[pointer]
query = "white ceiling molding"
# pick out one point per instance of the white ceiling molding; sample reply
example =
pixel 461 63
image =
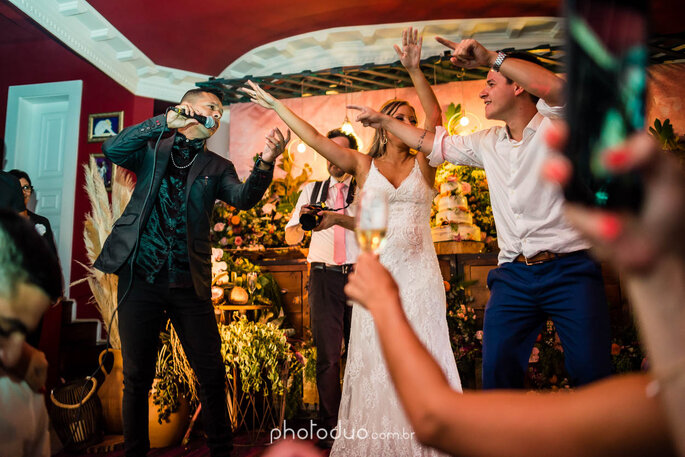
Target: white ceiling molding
pixel 359 45
pixel 78 25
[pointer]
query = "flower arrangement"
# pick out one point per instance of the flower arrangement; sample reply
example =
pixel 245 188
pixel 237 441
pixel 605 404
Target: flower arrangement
pixel 263 225
pixel 546 369
pixel 465 331
pixel 229 272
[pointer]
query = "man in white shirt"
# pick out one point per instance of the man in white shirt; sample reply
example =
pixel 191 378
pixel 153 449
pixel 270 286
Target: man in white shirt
pixel 332 252
pixel 544 269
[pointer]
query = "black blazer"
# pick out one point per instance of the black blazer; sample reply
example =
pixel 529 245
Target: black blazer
pixel 211 177
pixel 37 219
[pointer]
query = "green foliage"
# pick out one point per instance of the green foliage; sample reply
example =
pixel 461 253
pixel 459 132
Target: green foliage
pixel 310 363
pixel 452 111
pixel 668 139
pixel 664 133
pixel 626 352
pixel 260 351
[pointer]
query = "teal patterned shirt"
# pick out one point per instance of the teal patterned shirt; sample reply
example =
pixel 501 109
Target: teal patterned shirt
pixel 163 252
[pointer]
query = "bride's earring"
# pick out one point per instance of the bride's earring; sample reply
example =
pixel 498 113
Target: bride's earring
pixel 384 138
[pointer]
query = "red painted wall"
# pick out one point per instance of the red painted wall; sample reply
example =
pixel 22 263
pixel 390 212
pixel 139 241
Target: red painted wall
pixel 41 59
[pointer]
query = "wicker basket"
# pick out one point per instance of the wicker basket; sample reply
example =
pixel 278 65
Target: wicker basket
pixel 76 414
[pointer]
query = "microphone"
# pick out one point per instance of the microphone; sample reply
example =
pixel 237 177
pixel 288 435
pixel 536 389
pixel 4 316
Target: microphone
pixel 208 122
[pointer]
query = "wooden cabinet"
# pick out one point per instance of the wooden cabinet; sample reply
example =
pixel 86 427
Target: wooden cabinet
pixel 292 276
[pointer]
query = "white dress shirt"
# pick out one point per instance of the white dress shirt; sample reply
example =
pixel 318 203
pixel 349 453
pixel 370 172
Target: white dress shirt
pixel 321 246
pixel 527 209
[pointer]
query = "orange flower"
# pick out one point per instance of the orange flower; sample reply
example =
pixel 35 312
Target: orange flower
pixel 447 286
pixel 615 349
pixel 235 220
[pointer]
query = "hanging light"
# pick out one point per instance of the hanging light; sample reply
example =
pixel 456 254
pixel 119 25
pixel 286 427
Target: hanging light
pixel 346 126
pixel 463 123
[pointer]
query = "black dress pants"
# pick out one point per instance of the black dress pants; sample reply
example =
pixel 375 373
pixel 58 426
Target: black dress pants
pixel 331 319
pixel 141 314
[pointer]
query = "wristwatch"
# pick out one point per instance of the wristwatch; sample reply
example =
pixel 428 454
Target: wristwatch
pixel 498 61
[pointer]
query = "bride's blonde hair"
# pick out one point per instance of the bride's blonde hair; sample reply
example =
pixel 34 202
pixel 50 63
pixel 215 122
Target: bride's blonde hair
pixel 380 138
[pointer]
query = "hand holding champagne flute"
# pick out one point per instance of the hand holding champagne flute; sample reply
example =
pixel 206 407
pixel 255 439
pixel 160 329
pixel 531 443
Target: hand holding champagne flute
pixel 372 219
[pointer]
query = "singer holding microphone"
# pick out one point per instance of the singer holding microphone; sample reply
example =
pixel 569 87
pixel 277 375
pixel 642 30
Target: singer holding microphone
pixel 160 249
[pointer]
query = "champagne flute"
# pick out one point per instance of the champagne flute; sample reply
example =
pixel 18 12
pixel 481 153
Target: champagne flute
pixel 372 219
pixel 252 284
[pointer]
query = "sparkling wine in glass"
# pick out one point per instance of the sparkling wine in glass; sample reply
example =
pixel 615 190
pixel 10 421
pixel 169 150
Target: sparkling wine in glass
pixel 372 219
pixel 251 282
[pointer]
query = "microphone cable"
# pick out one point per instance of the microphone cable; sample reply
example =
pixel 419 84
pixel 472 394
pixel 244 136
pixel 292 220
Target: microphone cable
pixel 121 299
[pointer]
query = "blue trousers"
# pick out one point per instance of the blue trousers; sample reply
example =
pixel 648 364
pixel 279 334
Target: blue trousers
pixel 568 290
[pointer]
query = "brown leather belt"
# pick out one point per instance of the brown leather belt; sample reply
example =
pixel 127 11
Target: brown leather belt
pixel 543 256
pixel 344 269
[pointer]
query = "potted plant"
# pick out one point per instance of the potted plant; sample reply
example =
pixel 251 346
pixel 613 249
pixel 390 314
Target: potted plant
pixel 172 392
pixel 257 357
pixel 97 227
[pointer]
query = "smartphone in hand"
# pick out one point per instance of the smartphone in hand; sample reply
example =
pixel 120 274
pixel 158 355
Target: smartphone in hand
pixel 606 60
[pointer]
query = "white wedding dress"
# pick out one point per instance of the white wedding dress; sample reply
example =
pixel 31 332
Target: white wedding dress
pixel 371 421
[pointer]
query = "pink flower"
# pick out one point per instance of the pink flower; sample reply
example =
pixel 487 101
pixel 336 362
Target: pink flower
pixel 219 227
pixel 465 188
pixel 223 241
pixel 238 241
pixel 217 254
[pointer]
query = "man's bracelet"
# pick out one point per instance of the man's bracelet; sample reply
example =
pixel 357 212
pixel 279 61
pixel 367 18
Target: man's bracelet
pixel 270 165
pixel 498 61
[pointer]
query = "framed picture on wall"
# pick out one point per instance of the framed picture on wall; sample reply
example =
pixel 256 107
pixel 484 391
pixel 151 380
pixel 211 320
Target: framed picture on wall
pixel 104 166
pixel 104 125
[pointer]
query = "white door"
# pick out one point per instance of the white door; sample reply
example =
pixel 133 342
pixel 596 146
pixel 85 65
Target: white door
pixel 42 129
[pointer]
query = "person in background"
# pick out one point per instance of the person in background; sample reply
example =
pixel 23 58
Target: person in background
pixel 11 196
pixel 30 279
pixel 40 223
pixel 332 253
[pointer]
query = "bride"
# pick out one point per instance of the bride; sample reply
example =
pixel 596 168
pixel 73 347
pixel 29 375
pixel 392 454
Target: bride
pixel 371 420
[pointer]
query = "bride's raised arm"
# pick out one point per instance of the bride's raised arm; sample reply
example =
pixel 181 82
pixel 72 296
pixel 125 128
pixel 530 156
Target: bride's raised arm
pixel 349 160
pixel 410 57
